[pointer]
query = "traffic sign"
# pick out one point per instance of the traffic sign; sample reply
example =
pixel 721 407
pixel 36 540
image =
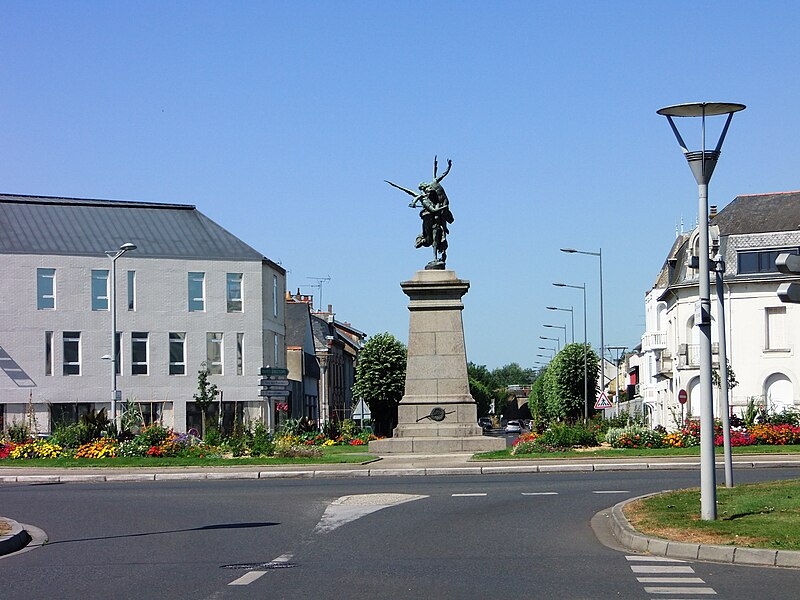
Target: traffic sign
pixel 682 396
pixel 274 372
pixel 274 393
pixel 603 401
pixel 274 383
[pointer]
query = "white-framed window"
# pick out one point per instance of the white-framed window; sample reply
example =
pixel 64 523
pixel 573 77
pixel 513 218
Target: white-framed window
pixel 234 292
pixel 214 353
pixel 45 289
pixel 177 353
pixel 48 352
pixel 72 353
pixel 240 354
pixel 197 291
pixel 131 290
pixel 276 362
pixel 99 289
pixel 139 353
pixel 775 328
pixel 274 295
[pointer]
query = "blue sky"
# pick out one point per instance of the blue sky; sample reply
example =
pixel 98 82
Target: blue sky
pixel 281 120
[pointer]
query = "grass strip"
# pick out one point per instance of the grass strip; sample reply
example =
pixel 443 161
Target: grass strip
pixel 760 515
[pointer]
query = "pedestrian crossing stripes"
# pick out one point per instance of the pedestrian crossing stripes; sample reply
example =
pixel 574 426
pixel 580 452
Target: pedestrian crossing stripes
pixel 667 577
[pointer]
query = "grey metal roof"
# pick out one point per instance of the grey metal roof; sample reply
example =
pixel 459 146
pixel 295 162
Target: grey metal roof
pixel 760 213
pixel 298 321
pixel 72 226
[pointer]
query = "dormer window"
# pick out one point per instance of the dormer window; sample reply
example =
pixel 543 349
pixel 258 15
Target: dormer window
pixel 760 261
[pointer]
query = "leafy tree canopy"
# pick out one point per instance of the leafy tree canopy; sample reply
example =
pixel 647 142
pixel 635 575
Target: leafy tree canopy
pixel 380 378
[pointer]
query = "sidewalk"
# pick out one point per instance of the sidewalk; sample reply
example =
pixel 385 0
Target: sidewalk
pixel 403 465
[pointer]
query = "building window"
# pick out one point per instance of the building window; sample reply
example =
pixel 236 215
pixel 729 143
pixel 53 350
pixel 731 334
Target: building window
pixel 761 261
pixel 131 290
pixel 177 354
pixel 99 289
pixel 275 295
pixel 48 352
pixel 775 338
pixel 72 353
pixel 197 292
pixel 214 353
pixel 275 360
pixel 118 353
pixel 139 353
pixel 45 289
pixel 68 414
pixel 234 292
pixel 240 354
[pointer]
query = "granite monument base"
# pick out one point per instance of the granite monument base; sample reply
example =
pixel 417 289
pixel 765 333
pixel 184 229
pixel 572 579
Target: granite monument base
pixel 437 414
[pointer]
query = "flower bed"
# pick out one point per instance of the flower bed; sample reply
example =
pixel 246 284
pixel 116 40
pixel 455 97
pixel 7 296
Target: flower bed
pixel 689 435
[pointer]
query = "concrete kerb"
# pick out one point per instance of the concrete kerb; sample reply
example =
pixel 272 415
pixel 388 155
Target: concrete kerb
pixel 17 539
pixel 628 537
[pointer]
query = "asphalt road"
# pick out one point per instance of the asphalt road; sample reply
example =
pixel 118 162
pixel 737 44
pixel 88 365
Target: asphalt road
pixel 509 536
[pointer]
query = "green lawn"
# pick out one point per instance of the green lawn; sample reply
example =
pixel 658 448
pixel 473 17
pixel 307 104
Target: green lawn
pixel 762 515
pixel 330 455
pixel 629 453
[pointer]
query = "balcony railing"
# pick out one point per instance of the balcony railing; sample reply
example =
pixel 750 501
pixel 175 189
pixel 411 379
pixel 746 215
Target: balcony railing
pixel 689 355
pixel 654 340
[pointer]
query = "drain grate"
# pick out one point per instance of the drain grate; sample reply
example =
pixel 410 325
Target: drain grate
pixel 260 566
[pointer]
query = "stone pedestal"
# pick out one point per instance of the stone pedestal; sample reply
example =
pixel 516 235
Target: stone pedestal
pixel 437 414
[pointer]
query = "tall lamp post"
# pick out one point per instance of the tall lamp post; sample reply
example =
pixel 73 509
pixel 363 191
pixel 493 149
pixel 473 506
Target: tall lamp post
pixel 571 317
pixel 702 164
pixel 564 327
pixel 557 349
pixel 599 255
pixel 585 351
pixel 112 306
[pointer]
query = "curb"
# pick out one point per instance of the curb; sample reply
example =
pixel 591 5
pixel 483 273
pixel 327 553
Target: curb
pixel 736 555
pixel 374 471
pixel 16 540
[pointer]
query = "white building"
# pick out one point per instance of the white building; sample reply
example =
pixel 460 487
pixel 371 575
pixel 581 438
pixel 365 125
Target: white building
pixel 190 293
pixel 760 330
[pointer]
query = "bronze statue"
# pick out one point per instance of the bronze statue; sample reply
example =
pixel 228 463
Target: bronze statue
pixel 435 215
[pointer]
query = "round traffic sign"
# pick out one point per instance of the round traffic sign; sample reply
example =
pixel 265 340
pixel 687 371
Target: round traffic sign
pixel 682 396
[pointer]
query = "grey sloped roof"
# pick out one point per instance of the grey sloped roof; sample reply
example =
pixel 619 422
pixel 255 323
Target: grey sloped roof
pixel 760 213
pixel 298 321
pixel 71 226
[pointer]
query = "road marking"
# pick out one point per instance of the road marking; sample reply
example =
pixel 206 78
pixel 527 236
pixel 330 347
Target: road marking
pixel 681 590
pixel 468 495
pixel 611 492
pixel 247 578
pixel 654 569
pixel 670 580
pixel 643 558
pixel 349 508
pixel 540 493
pixel 283 558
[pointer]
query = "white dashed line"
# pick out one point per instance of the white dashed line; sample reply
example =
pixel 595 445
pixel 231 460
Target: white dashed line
pixel 655 569
pixel 670 580
pixel 681 590
pixel 468 495
pixel 611 492
pixel 247 578
pixel 540 493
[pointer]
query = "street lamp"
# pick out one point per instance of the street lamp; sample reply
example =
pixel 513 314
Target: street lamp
pixel 112 306
pixel 556 340
pixel 702 163
pixel 571 317
pixel 564 327
pixel 585 351
pixel 599 255
pixel 553 350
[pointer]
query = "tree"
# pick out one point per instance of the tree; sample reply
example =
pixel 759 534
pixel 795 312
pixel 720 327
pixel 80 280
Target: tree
pixel 481 395
pixel 380 379
pixel 564 383
pixel 536 399
pixel 716 380
pixel 206 393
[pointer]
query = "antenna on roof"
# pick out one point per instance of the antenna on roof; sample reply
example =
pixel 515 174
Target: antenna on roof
pixel 320 282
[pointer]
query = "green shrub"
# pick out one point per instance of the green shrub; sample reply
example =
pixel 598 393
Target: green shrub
pixel 260 443
pixel 563 435
pixel 634 436
pixel 213 437
pixel 19 432
pixel 70 436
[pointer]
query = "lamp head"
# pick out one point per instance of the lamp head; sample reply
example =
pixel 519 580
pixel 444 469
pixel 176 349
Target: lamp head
pixel 127 246
pixel 569 250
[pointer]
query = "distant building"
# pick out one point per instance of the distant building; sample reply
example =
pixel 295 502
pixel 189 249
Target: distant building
pixel 748 234
pixel 191 293
pixel 301 359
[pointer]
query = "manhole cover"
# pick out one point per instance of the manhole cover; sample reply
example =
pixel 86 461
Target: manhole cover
pixel 260 566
